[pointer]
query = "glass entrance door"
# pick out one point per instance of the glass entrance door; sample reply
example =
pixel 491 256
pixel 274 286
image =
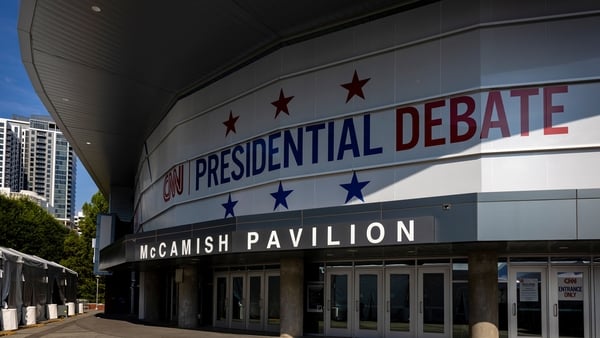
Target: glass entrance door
pixel 237 296
pixel 408 302
pixel 400 303
pixel 569 308
pixel 527 302
pixel 433 313
pixel 368 303
pixel 338 310
pixel 247 300
pixel 255 292
pixel 221 301
pixel 272 294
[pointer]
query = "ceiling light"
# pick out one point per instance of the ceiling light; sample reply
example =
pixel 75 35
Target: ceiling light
pixel 96 9
pixel 65 99
pixel 88 142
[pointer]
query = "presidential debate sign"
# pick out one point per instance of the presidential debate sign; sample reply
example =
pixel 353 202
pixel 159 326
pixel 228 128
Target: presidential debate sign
pixel 513 119
pixel 409 132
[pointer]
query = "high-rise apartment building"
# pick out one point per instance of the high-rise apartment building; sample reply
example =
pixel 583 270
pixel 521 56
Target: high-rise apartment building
pixel 35 156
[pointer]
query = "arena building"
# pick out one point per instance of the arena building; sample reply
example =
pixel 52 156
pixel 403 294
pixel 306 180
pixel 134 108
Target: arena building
pixel 337 168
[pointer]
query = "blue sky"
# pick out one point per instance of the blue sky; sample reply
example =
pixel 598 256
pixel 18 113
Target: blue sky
pixel 17 95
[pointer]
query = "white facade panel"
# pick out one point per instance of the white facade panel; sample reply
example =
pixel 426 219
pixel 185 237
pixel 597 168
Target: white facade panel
pixel 418 73
pixel 566 170
pixel 540 52
pixel 495 106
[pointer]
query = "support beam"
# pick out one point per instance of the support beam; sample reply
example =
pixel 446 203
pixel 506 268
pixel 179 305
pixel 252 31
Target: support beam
pixel 292 297
pixel 483 295
pixel 187 279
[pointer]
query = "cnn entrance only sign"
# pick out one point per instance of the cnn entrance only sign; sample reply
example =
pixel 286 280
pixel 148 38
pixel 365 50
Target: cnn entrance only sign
pixel 570 286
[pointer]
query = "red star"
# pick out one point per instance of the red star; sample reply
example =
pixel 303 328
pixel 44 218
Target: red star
pixel 355 87
pixel 230 123
pixel 282 103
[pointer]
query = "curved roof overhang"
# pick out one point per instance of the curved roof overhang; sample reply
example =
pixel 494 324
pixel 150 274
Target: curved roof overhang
pixel 109 71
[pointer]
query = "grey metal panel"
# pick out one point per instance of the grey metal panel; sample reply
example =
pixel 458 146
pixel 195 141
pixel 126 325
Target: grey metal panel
pixel 527 195
pixel 455 217
pixel 527 220
pixel 588 218
pixel 518 9
pixel 588 193
pixel 361 212
pixel 457 14
pixel 460 59
pixel 540 60
pixel 270 221
pixel 437 201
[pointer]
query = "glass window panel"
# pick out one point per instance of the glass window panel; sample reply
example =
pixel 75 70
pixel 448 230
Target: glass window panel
pixel 237 299
pixel 570 304
pixel 529 260
pixel 368 302
pixel 503 308
pixel 529 305
pixel 221 298
pixel 273 301
pixel 460 271
pixel 460 312
pixel 339 301
pixel 439 261
pixel 400 263
pixel 369 263
pixel 399 307
pixel 570 260
pixel 433 302
pixel 255 297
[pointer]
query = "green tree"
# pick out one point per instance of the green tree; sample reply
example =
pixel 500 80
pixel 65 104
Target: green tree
pixel 27 227
pixel 78 252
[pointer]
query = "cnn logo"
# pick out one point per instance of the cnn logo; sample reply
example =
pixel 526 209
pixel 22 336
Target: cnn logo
pixel 173 183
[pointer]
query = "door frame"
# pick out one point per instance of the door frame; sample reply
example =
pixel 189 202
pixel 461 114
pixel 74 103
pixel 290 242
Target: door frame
pixel 357 331
pixel 238 323
pixel 512 297
pixel 244 323
pixel 411 272
pixel 415 273
pixel 259 326
pixel 267 287
pixel 445 270
pixel 225 322
pixel 553 297
pixel 338 271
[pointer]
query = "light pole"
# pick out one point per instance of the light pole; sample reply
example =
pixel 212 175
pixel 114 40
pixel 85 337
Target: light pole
pixel 97 279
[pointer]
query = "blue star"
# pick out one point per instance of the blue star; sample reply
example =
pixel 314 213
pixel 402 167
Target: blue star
pixel 280 195
pixel 229 207
pixel 354 188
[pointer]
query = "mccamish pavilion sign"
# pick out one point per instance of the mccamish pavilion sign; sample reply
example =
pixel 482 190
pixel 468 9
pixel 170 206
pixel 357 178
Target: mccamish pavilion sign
pixel 359 234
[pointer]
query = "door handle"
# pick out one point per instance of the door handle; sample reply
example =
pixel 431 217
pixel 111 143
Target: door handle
pixel 421 307
pixel 356 306
pixel 514 309
pixel 555 310
pixel 388 306
pixel 328 305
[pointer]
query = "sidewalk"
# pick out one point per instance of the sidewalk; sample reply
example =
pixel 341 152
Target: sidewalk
pixel 93 324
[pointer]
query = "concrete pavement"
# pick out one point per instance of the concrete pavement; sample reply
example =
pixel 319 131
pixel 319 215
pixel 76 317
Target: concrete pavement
pixel 94 324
